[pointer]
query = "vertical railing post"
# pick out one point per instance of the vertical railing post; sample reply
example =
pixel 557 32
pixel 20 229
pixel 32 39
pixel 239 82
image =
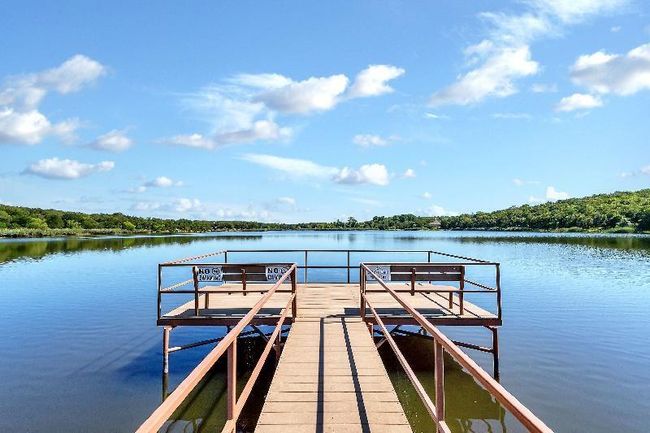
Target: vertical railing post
pixel 461 295
pixel 412 281
pixel 498 287
pixel 195 277
pixel 294 284
pixel 159 292
pixel 306 251
pixel 439 379
pixel 232 380
pixel 243 281
pixel 362 291
pixel 348 266
pixel 225 256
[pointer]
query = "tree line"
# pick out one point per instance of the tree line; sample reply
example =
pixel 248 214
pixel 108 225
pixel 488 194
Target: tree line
pixel 620 211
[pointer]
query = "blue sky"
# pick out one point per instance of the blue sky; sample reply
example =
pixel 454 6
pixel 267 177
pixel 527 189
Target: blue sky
pixel 306 111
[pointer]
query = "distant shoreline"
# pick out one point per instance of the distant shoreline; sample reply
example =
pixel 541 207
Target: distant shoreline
pixel 74 233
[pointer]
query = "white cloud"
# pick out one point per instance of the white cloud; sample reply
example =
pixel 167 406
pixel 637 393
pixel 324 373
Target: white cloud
pixel 495 77
pixel 578 101
pixel 243 108
pixel 20 120
pixel 409 173
pixel 55 168
pixel 288 201
pixel 645 170
pixel 375 174
pixel 574 11
pixel 522 182
pixel 512 116
pixel 113 141
pixel 163 182
pixel 543 88
pixel 620 74
pixel 185 205
pixel 435 210
pixel 499 61
pixel 303 97
pixel 372 81
pixel 553 194
pixel 426 195
pixel 144 206
pixel 372 140
pixel 615 29
pixel 436 116
pixel 291 166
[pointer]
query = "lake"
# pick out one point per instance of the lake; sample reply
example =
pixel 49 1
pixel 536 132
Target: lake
pixel 81 352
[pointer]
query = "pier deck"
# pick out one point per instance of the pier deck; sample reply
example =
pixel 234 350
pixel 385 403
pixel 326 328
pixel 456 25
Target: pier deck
pixel 320 300
pixel 330 378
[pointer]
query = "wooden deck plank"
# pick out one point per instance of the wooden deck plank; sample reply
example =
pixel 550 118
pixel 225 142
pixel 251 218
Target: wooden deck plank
pixel 331 390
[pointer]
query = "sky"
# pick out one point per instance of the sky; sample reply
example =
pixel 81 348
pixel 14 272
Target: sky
pixel 316 111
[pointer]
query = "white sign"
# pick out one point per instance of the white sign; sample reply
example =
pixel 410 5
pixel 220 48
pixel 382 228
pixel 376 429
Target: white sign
pixel 209 273
pixel 275 272
pixel 382 271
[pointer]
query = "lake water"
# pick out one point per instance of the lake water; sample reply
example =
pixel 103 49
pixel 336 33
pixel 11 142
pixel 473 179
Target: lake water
pixel 81 352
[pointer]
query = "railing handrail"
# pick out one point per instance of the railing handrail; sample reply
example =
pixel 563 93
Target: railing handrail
pixel 327 250
pixel 507 400
pixel 176 398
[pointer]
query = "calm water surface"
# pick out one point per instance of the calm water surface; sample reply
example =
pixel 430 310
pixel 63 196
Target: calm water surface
pixel 80 350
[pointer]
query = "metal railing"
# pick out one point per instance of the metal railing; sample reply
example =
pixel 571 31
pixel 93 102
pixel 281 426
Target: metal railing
pixel 347 266
pixel 227 345
pixel 441 344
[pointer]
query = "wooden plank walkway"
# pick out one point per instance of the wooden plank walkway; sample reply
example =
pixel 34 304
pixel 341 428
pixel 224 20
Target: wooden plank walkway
pixel 330 378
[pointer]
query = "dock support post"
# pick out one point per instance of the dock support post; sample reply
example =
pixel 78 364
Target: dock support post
pixel 495 351
pixel 166 331
pixel 232 380
pixel 439 379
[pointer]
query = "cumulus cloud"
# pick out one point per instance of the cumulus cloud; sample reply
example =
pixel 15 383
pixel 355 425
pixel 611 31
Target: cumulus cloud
pixel 553 194
pixel 373 80
pixel 21 122
pixel 113 141
pixel 163 182
pixel 375 174
pixel 499 61
pixel 578 101
pixel 495 77
pixel 436 210
pixel 55 168
pixel 620 74
pixel 243 108
pixel 409 173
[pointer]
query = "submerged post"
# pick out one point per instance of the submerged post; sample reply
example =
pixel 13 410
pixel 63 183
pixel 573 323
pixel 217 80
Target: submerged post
pixel 232 380
pixel 166 331
pixel 439 378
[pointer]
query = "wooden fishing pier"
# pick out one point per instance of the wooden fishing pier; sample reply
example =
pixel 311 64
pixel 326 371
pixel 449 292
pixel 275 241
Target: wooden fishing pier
pixel 329 311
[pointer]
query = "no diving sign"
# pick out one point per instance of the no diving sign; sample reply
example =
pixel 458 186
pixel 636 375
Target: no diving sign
pixel 275 272
pixel 209 273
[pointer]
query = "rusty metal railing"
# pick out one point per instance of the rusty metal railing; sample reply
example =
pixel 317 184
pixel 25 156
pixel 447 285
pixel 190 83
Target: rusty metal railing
pixel 441 344
pixel 227 345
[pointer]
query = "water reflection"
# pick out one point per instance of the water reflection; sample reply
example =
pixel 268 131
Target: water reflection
pixel 11 250
pixel 469 407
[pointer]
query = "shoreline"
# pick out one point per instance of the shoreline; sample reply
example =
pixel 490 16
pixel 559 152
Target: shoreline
pixel 74 233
